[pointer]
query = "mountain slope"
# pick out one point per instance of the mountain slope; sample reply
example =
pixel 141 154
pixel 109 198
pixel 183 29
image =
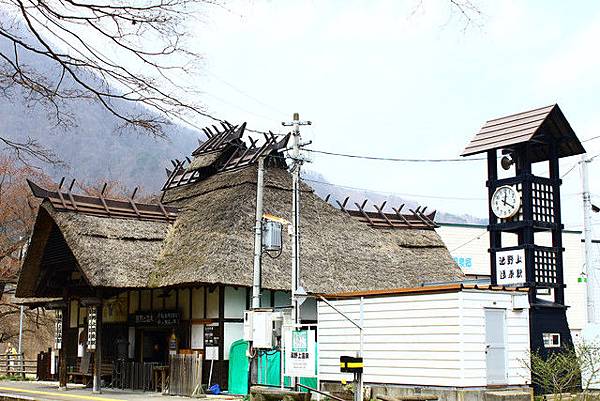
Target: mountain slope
pixel 92 150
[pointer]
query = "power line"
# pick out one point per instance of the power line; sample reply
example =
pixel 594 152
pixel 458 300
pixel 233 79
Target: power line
pixel 394 193
pixel 569 170
pixel 591 139
pixel 393 159
pixel 577 163
pixel 478 236
pixel 235 88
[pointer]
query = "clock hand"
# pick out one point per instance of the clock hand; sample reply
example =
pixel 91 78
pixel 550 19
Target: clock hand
pixel 506 203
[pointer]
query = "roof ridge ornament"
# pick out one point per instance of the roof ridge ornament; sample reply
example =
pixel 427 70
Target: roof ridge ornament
pixel 225 151
pixel 380 219
pixel 103 207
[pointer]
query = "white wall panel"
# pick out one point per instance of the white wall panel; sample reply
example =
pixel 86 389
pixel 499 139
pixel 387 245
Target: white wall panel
pixel 198 303
pixel 422 339
pixel 235 302
pixel 233 332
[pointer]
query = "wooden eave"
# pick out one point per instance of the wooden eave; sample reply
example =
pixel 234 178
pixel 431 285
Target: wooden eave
pixel 48 256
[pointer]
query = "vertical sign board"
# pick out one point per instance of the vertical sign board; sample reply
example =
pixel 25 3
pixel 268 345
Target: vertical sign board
pixel 92 323
pixel 510 267
pixel 300 353
pixel 58 329
pixel 211 342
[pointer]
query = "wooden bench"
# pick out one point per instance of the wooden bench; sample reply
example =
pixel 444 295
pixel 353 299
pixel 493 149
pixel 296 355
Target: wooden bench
pixel 106 371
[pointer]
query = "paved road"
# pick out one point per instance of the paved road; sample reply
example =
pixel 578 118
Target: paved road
pixel 45 391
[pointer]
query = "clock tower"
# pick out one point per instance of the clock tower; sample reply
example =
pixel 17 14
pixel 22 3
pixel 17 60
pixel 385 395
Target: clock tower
pixel 525 225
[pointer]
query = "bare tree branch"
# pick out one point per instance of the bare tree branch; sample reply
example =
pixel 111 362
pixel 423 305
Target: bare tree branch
pixel 117 53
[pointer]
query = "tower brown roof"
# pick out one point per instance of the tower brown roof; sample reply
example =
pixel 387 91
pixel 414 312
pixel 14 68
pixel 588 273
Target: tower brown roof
pixel 541 127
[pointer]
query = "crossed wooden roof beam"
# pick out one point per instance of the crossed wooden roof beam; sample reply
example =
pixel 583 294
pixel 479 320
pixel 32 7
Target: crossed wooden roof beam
pixel 243 154
pixel 219 139
pixel 63 199
pixel 417 219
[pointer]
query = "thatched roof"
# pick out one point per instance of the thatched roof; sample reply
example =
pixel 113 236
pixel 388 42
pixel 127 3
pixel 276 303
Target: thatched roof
pixel 205 160
pixel 211 241
pixel 204 234
pixel 109 252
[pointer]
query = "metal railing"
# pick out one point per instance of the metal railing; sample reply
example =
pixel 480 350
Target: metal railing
pixel 314 390
pixel 16 364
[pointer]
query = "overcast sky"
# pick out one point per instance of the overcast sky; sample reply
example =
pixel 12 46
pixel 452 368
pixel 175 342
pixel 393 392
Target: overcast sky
pixel 400 79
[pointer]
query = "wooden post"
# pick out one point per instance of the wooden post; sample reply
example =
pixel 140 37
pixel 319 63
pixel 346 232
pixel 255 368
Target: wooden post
pixel 495 234
pixel 62 358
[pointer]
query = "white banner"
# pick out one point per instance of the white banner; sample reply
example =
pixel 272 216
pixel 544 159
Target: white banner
pixel 510 267
pixel 58 329
pixel 92 323
pixel 300 351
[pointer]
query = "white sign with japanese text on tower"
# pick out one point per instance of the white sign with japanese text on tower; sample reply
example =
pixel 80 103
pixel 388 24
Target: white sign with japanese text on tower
pixel 510 267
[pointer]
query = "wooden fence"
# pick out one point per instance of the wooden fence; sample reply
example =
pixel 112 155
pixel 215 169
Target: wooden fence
pixel 133 375
pixel 185 376
pixel 16 364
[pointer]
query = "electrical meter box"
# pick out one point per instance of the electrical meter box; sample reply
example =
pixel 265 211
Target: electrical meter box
pixel 258 328
pixel 520 301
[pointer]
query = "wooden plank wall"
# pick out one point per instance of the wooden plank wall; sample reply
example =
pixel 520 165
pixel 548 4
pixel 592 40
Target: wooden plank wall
pixel 434 339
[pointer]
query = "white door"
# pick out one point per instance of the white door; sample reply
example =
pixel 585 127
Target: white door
pixel 495 346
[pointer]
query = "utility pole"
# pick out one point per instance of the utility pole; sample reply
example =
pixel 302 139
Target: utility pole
pixel 591 330
pixel 296 165
pixel 256 283
pixel 21 314
pixel 591 301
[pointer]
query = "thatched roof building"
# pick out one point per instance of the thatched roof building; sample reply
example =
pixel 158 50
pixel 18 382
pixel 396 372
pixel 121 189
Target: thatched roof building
pixel 201 233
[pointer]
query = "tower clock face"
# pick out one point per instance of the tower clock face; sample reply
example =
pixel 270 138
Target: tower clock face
pixel 506 202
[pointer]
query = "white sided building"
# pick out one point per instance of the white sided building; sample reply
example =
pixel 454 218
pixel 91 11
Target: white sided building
pixel 468 244
pixel 444 338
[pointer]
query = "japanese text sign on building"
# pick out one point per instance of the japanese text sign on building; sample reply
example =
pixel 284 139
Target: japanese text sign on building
pixel 510 267
pixel 300 353
pixel 167 318
pixel 92 324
